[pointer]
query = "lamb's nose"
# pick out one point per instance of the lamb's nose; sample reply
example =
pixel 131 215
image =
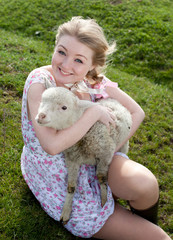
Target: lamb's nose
pixel 41 116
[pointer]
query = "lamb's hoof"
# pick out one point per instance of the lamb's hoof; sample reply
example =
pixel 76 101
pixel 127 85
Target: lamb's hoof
pixel 102 178
pixel 63 222
pixel 65 216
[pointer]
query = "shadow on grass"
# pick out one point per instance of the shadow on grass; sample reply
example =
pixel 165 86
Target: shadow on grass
pixel 35 224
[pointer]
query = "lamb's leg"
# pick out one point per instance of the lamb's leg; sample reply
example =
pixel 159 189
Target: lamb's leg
pixel 72 181
pixel 102 175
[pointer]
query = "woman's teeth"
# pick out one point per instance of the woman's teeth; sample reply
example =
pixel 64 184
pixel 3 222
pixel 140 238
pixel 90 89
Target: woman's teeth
pixel 65 73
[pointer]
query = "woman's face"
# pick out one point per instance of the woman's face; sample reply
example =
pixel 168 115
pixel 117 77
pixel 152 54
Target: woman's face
pixel 71 60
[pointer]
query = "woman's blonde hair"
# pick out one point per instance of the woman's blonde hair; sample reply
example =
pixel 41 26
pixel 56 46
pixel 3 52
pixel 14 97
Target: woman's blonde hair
pixel 88 32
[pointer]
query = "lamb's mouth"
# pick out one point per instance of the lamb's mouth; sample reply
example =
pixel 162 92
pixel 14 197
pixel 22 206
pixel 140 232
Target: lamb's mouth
pixel 42 123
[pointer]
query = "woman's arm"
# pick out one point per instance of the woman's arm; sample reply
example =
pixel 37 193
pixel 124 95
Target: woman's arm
pixel 54 142
pixel 135 110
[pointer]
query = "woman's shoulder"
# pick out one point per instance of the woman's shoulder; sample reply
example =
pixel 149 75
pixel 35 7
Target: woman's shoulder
pixel 107 82
pixel 39 75
pixel 101 86
pixel 40 72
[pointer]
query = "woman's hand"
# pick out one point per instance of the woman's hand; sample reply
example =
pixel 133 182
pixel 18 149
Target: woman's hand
pixel 106 116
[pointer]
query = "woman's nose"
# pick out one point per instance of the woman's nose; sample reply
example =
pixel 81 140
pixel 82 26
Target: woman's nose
pixel 67 64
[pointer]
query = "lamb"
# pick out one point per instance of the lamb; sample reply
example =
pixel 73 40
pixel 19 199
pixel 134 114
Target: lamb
pixel 60 108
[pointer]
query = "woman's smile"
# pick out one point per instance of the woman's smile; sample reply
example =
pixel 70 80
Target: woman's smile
pixel 64 73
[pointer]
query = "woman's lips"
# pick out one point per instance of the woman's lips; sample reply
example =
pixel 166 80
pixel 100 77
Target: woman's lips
pixel 65 73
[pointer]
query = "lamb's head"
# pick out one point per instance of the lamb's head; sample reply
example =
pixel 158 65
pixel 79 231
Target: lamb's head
pixel 60 108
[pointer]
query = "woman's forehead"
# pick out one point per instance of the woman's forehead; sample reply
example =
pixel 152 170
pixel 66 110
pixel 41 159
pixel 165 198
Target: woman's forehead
pixel 72 44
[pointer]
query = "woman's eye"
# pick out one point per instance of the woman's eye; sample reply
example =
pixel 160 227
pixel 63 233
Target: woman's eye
pixel 61 52
pixel 78 60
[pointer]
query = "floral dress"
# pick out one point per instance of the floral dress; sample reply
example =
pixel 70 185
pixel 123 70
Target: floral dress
pixel 46 176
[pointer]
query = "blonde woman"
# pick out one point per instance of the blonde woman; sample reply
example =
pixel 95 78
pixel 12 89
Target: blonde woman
pixel 79 56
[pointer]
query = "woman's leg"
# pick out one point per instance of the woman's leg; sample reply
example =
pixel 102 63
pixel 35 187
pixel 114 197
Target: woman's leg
pixel 135 183
pixel 131 181
pixel 123 225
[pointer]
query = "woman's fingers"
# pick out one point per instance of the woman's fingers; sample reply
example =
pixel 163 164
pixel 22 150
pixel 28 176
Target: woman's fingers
pixel 112 117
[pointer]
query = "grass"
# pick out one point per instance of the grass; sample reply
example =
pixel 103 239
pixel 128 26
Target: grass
pixel 143 29
pixel 142 66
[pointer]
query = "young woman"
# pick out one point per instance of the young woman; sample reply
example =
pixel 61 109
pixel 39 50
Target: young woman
pixel 80 53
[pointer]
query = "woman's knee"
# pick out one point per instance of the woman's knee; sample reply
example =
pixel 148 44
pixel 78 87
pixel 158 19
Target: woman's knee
pixel 132 181
pixel 145 186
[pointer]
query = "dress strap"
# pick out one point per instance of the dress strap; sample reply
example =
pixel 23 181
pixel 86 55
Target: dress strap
pixel 83 88
pixel 98 89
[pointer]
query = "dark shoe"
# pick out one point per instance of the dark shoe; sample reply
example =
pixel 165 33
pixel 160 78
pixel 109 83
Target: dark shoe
pixel 151 214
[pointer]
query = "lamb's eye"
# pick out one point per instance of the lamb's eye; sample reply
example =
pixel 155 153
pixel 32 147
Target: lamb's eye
pixel 64 108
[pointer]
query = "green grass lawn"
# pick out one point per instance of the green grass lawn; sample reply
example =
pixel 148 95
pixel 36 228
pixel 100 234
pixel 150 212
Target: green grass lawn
pixel 142 65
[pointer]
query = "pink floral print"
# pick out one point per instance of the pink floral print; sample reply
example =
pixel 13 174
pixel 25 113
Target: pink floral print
pixel 46 176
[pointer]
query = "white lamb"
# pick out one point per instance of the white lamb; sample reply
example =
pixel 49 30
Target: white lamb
pixel 59 109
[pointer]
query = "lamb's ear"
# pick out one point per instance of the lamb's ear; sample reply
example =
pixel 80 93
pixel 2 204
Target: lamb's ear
pixel 84 104
pixel 47 83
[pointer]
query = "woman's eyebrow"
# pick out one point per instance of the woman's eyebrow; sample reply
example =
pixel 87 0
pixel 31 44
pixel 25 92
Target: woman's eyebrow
pixel 62 46
pixel 80 55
